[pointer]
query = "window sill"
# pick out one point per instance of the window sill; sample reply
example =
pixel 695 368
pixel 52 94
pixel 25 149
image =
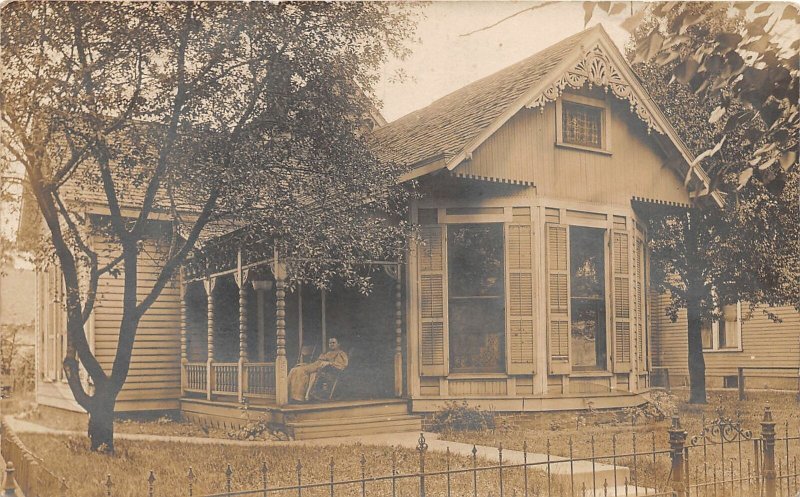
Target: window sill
pixel 476 375
pixel 590 374
pixel 717 351
pixel 584 148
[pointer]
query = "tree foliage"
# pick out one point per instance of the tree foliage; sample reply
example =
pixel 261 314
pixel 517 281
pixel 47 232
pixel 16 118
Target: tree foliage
pixel 748 248
pixel 197 114
pixel 745 58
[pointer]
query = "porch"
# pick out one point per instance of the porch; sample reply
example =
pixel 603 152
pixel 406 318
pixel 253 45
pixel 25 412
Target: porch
pixel 310 420
pixel 244 328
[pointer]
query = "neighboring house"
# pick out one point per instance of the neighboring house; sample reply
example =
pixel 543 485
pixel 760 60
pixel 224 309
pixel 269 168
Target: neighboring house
pixel 528 290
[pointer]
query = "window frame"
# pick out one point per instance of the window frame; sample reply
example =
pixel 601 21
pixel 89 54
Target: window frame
pixel 457 220
pixel 605 135
pixel 715 348
pixel 607 288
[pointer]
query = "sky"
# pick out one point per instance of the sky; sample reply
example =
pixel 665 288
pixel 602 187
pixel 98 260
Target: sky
pixel 444 60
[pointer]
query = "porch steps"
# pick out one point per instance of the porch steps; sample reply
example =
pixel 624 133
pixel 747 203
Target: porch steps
pixel 349 426
pixel 338 419
pixel 311 421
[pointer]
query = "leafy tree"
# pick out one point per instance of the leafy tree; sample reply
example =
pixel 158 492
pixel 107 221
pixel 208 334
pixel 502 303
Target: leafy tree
pixel 749 249
pixel 747 62
pixel 198 113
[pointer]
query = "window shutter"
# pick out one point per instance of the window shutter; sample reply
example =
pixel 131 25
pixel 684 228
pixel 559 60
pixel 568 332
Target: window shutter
pixel 433 299
pixel 558 319
pixel 638 302
pixel 522 348
pixel 621 291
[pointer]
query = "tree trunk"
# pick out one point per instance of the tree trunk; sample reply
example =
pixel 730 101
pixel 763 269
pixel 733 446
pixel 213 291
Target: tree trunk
pixel 697 364
pixel 101 421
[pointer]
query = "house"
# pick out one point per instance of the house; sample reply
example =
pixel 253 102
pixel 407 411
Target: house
pixel 526 290
pixel 766 353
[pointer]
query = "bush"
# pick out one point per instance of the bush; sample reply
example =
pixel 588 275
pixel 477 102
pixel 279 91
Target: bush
pixel 455 416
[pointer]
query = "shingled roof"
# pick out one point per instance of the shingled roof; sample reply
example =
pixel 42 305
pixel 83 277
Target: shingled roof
pixel 444 128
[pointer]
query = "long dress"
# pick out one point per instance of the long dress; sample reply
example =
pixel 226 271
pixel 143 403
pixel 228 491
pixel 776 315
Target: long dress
pixel 300 375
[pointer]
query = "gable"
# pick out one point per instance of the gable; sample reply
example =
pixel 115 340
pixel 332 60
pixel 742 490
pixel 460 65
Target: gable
pixel 448 132
pixel 524 151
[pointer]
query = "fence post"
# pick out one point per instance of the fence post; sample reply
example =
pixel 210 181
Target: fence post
pixel 422 447
pixel 768 448
pixel 740 383
pixel 677 442
pixel 9 483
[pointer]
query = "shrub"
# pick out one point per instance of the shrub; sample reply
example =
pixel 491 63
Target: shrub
pixel 455 416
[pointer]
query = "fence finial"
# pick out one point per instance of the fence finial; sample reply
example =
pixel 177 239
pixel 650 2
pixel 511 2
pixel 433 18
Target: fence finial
pixel 9 483
pixel 422 446
pixel 676 420
pixel 151 480
pixel 190 477
pixel 109 484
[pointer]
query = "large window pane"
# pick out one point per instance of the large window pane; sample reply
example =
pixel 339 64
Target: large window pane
pixel 588 298
pixel 476 297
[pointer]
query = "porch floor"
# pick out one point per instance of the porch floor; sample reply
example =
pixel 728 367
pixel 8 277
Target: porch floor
pixel 311 420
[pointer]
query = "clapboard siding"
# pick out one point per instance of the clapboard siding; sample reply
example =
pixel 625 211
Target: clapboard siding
pixel 764 344
pixel 154 379
pixel 524 150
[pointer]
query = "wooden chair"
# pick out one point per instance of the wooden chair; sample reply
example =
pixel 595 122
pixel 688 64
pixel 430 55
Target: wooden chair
pixel 306 353
pixel 331 374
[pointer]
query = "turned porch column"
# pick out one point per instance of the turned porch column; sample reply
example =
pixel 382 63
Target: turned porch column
pixel 260 287
pixel 281 365
pixel 209 286
pixel 184 352
pixel 241 280
pixel 398 335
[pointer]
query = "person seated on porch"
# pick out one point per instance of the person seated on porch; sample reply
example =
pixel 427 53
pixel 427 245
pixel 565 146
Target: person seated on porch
pixel 300 375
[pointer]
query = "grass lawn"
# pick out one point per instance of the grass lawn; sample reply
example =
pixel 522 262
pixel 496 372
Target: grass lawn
pixel 129 467
pixel 619 427
pixel 559 427
pixel 86 471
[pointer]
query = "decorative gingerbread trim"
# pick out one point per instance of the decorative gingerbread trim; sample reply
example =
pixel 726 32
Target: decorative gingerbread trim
pixel 596 68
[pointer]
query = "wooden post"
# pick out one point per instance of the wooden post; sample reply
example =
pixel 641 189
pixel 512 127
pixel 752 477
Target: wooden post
pixel 184 352
pixel 209 285
pixel 740 383
pixel 300 317
pixel 260 287
pixel 9 482
pixel 241 280
pixel 281 365
pixel 323 326
pixel 398 335
pixel 677 442
pixel 768 439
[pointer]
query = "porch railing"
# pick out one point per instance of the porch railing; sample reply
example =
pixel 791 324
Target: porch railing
pixel 225 378
pixel 259 379
pixel 195 377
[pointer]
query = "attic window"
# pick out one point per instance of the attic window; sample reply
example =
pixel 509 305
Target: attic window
pixel 582 125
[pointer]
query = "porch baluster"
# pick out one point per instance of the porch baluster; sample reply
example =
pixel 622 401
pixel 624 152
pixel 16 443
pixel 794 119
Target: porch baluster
pixel 209 284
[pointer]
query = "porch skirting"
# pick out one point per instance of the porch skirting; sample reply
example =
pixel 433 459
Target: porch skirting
pixel 545 403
